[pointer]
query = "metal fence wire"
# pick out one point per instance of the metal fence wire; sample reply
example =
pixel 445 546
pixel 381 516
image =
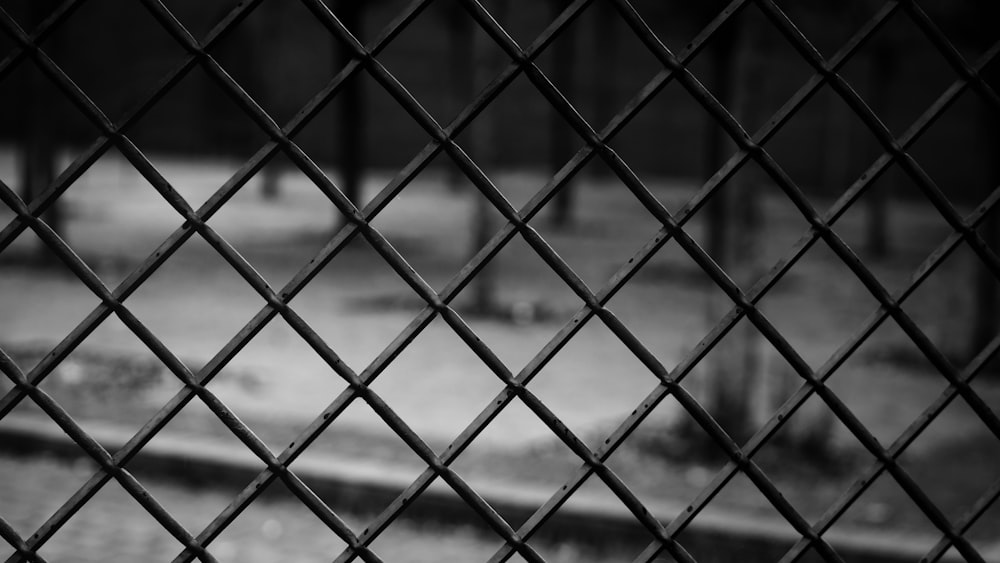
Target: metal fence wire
pixel 522 61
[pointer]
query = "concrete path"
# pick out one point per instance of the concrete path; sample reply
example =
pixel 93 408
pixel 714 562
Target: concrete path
pixel 114 528
pixel 589 527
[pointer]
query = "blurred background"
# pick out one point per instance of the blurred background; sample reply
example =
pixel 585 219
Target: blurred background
pixel 370 128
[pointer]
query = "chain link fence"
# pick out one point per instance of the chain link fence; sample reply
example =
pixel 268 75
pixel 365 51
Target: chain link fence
pixel 743 303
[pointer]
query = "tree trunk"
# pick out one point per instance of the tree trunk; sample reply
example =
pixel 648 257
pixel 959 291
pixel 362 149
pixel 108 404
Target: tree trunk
pixel 718 146
pixel 560 137
pixel 462 87
pixel 743 379
pixel 737 386
pixel 882 71
pixel 602 73
pixel 351 109
pixel 837 145
pixel 986 320
pixel 483 149
pixel 39 148
pixel 270 181
pixel 38 162
pixel 259 35
pixel 986 300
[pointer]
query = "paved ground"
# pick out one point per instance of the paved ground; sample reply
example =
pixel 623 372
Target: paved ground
pixel 113 528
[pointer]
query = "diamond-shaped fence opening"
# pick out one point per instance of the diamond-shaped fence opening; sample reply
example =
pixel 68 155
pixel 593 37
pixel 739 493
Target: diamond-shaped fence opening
pixel 433 156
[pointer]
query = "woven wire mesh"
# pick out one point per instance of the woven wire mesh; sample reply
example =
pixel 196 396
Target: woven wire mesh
pixel 593 463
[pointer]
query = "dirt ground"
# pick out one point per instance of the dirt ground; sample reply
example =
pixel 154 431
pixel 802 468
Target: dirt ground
pixel 196 302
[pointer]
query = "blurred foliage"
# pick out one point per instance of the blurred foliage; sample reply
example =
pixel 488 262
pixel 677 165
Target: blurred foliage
pixel 118 54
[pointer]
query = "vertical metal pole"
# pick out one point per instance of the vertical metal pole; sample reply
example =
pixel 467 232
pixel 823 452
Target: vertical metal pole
pixel 351 109
pixel 560 138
